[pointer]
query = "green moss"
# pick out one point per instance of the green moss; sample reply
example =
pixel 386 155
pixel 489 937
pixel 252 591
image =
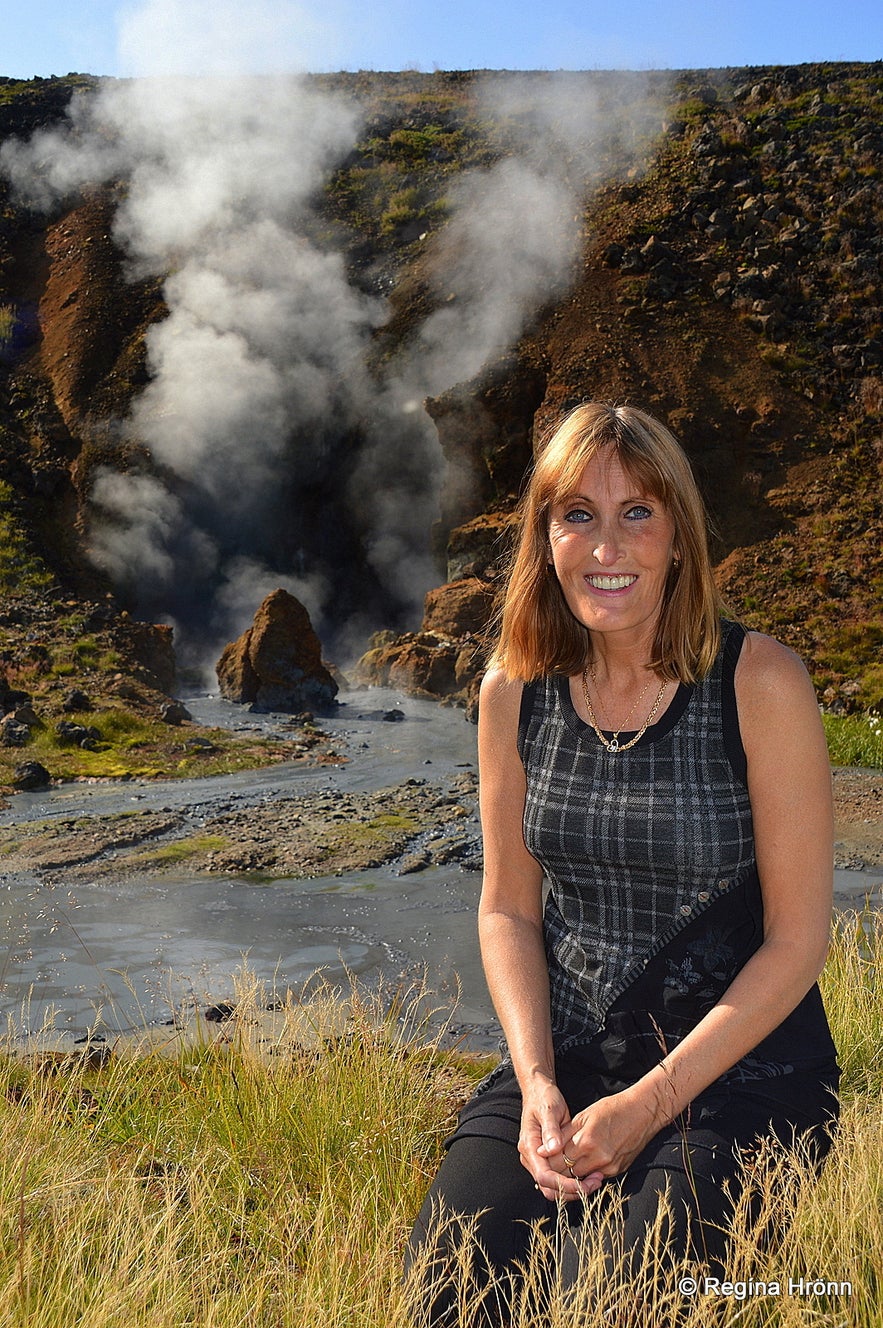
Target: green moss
pixel 22 570
pixel 180 850
pixel 393 821
pixel 132 746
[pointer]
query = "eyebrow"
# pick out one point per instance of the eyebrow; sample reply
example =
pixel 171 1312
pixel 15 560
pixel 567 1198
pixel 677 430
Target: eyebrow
pixel 576 497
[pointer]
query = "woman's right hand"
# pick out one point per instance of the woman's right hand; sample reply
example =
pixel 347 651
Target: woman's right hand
pixel 546 1130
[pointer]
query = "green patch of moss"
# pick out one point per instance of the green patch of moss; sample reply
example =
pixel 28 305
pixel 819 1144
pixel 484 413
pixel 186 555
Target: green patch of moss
pixel 393 821
pixel 133 747
pixel 22 570
pixel 180 850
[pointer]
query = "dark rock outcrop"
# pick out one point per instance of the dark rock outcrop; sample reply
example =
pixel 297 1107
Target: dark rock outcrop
pixel 31 776
pixel 277 663
pixel 151 646
pixel 174 713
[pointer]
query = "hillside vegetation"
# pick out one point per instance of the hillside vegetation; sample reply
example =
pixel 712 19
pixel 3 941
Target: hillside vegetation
pixel 733 287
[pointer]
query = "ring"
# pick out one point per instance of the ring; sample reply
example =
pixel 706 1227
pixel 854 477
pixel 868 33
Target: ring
pixel 569 1161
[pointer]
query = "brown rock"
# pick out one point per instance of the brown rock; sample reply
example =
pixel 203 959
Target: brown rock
pixel 481 546
pixel 460 608
pixel 152 646
pixel 277 664
pixel 424 667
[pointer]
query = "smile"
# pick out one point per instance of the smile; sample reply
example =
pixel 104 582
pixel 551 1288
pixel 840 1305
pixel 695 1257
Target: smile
pixel 611 582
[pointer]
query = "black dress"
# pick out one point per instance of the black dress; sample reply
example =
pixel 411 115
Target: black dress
pixel 653 907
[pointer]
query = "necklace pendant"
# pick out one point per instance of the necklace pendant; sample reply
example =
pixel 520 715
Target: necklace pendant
pixel 613 745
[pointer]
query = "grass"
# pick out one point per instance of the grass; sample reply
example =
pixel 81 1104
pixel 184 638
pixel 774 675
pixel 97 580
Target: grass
pixel 22 570
pixel 270 1177
pixel 7 324
pixel 855 740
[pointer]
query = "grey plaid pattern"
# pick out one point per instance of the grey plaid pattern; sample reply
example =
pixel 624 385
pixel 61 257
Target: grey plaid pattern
pixel 634 845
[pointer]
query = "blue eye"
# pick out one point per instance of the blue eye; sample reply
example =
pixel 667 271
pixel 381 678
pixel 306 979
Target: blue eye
pixel 638 513
pixel 577 515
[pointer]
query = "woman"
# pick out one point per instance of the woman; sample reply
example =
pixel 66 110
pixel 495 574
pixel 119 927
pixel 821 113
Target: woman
pixel 667 773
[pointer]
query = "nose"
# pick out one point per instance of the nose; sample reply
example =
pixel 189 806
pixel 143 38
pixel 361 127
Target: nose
pixel 606 551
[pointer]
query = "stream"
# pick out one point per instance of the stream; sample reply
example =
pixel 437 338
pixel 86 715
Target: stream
pixel 117 955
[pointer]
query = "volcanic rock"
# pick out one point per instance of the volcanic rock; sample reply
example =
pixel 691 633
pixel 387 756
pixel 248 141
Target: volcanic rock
pixel 174 712
pixel 76 701
pixel 31 775
pixel 277 663
pixel 461 608
pixel 10 697
pixel 152 646
pixel 13 733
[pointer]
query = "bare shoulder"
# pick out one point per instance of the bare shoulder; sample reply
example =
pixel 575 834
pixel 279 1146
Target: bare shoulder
pixel 775 696
pixel 499 697
pixel 768 668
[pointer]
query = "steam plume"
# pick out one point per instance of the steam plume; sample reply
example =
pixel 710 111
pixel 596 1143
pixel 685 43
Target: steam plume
pixel 516 230
pixel 258 380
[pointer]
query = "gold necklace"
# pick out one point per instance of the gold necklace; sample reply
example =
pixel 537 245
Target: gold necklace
pixel 612 745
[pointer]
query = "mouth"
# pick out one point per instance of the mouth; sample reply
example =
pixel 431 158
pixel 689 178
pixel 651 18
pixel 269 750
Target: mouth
pixel 611 582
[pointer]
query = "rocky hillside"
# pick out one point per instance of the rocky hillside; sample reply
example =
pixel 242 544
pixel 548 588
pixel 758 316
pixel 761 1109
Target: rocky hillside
pixel 732 286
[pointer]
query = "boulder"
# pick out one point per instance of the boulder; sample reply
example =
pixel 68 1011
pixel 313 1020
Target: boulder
pixel 175 713
pixel 277 663
pixel 10 697
pixel 460 608
pixel 76 701
pixel 30 776
pixel 13 733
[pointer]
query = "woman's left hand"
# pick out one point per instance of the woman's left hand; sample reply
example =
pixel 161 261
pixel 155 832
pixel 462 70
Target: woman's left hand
pixel 608 1135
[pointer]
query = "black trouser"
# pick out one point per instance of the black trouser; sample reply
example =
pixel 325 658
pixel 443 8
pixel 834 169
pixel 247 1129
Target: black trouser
pixel 482 1188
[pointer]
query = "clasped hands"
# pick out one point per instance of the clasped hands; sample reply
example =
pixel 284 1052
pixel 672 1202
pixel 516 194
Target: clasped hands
pixel 569 1158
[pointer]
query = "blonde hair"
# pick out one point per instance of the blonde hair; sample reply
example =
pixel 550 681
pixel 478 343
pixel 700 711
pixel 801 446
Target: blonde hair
pixel 538 634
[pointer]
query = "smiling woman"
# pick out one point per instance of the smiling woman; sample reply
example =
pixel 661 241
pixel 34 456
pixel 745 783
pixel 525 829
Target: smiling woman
pixel 612 551
pixel 596 447
pixel 659 1001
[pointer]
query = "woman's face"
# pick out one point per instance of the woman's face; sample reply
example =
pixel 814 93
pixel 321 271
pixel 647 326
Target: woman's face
pixel 612 548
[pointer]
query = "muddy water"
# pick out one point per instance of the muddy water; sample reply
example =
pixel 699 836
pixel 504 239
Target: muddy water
pixel 117 954
pixel 114 955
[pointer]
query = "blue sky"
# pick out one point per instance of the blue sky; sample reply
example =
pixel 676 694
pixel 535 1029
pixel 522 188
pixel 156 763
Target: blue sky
pixel 120 37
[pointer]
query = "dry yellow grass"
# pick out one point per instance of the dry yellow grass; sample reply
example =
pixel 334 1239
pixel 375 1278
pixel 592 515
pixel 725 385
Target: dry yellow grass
pixel 273 1183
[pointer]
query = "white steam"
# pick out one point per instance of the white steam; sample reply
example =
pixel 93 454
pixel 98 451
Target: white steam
pixel 516 231
pixel 261 360
pixel 260 366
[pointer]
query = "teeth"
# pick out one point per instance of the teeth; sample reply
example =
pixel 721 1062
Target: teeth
pixel 611 582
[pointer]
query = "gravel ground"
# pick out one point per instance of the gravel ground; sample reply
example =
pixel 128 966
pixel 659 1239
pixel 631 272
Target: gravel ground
pixel 416 823
pixel 858 818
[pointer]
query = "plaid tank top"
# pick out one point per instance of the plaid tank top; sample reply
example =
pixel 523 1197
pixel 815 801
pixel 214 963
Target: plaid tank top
pixel 639 846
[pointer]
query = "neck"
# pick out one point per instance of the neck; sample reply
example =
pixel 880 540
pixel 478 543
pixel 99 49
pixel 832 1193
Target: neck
pixel 621 664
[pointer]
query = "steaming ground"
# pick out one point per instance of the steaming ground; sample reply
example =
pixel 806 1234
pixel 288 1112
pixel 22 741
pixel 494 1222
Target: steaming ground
pixel 268 448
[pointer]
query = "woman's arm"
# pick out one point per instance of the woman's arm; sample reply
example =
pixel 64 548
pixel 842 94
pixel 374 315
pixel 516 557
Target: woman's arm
pixel 510 922
pixel 789 781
